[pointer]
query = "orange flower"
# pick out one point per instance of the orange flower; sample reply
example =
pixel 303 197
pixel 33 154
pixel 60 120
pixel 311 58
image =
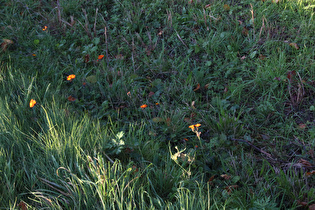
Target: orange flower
pixel 45 28
pixel 32 103
pixel 71 98
pixel 129 94
pixel 192 127
pixel 70 77
pixel 197 125
pixel 100 57
pixel 157 104
pixel 143 106
pixel 34 54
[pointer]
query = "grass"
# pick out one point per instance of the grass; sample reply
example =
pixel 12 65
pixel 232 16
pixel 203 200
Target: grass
pixel 243 70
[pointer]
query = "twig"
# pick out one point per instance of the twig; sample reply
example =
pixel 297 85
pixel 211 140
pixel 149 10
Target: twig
pixel 86 27
pixel 181 40
pixel 109 158
pixel 106 43
pixel 303 145
pixel 58 12
pixel 94 28
pixel 260 150
pixel 50 184
pixel 132 55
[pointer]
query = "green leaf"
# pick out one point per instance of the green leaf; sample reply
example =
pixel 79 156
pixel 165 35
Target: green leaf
pixel 91 79
pixel 157 119
pixel 235 179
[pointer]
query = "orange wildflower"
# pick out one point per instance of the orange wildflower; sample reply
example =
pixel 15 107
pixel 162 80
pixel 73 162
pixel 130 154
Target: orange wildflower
pixel 157 104
pixel 45 28
pixel 34 54
pixel 70 77
pixel 32 103
pixel 192 127
pixel 100 57
pixel 143 106
pixel 197 125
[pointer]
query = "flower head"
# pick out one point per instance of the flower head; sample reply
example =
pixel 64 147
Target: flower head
pixel 32 103
pixel 143 106
pixel 45 28
pixel 100 57
pixel 70 77
pixel 192 127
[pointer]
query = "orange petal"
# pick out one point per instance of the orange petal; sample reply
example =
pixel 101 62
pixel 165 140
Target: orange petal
pixel 32 103
pixel 70 77
pixel 197 125
pixel 143 106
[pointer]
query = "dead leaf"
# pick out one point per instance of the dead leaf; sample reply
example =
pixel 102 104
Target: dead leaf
pixel 86 58
pixel 277 78
pixel 226 7
pixel 290 74
pixel 302 203
pixel 71 98
pixel 168 121
pixel 310 173
pixel 229 189
pixel 262 57
pixel 197 88
pixel 193 104
pixel 119 57
pixel 311 207
pixel 305 163
pixel 188 120
pixel 22 205
pixel 207 6
pixel 5 43
pixel 225 176
pixel 245 31
pixel 152 133
pixel 160 33
pixel 211 178
pixel 294 45
pixel 302 126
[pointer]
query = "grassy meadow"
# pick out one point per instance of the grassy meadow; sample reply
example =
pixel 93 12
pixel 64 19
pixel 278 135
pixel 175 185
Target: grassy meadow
pixel 150 104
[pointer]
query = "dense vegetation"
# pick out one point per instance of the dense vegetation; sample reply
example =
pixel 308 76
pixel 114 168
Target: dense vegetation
pixel 174 104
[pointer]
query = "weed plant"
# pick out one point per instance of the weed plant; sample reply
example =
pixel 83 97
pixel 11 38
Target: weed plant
pixel 157 104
